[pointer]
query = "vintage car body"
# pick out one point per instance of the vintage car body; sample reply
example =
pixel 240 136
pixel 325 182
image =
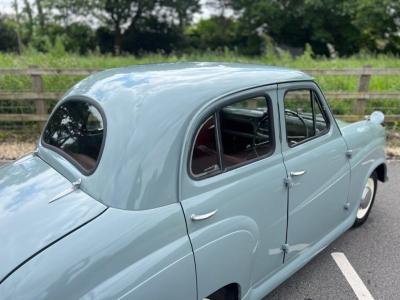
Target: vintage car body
pixel 142 224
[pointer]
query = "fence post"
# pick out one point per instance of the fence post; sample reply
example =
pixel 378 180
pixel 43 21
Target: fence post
pixel 363 87
pixel 37 88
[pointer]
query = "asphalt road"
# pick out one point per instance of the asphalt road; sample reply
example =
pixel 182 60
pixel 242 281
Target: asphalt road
pixel 372 249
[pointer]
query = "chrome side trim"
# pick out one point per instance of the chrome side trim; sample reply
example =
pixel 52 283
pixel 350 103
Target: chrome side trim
pixel 75 185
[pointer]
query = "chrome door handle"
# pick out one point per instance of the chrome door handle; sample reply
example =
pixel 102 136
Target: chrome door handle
pixel 203 217
pixel 298 173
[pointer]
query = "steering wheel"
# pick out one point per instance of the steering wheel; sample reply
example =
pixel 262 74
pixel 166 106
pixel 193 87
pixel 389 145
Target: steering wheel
pixel 296 114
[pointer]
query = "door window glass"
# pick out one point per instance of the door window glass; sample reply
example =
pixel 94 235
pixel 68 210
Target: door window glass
pixel 234 135
pixel 304 117
pixel 205 157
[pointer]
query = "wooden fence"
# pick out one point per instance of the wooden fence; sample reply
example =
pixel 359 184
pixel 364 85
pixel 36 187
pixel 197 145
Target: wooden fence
pixel 39 96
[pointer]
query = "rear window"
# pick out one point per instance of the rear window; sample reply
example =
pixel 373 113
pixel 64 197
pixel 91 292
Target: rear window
pixel 76 131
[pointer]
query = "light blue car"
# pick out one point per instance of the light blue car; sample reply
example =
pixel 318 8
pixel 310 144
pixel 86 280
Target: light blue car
pixel 183 181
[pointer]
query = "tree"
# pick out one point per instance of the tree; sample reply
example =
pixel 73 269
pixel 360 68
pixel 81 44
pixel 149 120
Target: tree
pixel 8 36
pixel 119 14
pixel 215 33
pixel 184 10
pixel 378 23
pixel 344 27
pixel 105 39
pixel 41 15
pixel 65 11
pixel 219 33
pixel 18 25
pixel 219 5
pixel 29 24
pixel 79 38
pixel 295 23
pixel 152 35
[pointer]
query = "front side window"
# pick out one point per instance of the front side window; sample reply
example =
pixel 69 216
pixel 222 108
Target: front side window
pixel 76 131
pixel 304 117
pixel 234 135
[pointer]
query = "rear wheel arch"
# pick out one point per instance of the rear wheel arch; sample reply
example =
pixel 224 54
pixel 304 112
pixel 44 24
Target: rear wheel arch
pixel 228 292
pixel 381 172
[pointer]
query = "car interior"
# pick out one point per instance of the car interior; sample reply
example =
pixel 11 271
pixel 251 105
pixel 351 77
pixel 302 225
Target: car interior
pixel 303 116
pixel 244 134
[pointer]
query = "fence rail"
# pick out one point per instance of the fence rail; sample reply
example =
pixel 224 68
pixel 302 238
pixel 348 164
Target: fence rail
pixel 38 96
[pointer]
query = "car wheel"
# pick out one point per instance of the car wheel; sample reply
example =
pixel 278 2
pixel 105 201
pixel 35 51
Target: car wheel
pixel 367 200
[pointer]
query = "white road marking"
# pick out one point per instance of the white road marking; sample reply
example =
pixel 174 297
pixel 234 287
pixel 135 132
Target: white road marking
pixel 352 277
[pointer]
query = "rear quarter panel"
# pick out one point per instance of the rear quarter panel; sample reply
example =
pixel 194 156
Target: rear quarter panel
pixel 119 255
pixel 366 140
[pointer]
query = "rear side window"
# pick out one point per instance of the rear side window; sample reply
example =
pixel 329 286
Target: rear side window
pixel 76 131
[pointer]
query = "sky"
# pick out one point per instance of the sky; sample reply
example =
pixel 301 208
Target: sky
pixel 206 10
pixel 5 6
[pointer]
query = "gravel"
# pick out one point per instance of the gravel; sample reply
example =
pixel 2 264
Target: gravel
pixel 13 150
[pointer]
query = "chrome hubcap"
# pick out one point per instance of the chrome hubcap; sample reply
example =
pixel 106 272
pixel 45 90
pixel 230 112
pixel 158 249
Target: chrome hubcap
pixel 366 199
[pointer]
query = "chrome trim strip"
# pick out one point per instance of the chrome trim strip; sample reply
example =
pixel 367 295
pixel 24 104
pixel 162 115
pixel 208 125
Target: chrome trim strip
pixel 75 185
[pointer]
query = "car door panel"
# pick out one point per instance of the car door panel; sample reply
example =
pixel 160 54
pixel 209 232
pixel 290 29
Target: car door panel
pixel 316 198
pixel 246 233
pixel 241 243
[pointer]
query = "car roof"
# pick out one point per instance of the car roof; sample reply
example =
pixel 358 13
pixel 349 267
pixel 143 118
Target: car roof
pixel 190 77
pixel 148 109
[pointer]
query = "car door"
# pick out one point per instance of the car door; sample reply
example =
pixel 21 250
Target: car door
pixel 232 191
pixel 314 154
